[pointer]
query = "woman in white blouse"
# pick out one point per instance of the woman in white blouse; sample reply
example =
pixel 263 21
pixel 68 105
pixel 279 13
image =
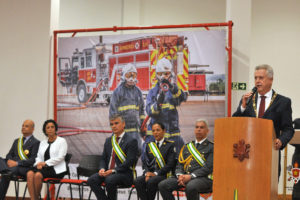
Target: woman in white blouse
pixel 50 160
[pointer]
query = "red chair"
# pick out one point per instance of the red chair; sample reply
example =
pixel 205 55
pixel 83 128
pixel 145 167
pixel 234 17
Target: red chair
pixel 204 195
pixel 88 165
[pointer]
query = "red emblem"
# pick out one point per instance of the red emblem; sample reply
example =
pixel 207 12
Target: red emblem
pixel 294 173
pixel 241 150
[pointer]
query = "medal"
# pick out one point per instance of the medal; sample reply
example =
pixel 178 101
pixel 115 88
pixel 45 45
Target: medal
pixel 26 152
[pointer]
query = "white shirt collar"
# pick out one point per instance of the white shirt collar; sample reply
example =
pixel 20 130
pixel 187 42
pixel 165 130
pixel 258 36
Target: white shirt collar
pixel 160 142
pixel 267 95
pixel 27 138
pixel 121 136
pixel 200 142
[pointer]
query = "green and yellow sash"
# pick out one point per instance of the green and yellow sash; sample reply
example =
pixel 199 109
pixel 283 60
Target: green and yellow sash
pixel 120 153
pixel 197 156
pixel 117 149
pixel 21 153
pixel 158 157
pixel 155 151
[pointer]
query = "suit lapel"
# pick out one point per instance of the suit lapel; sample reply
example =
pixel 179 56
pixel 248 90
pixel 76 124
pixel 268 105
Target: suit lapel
pixel 272 103
pixel 123 140
pixel 28 142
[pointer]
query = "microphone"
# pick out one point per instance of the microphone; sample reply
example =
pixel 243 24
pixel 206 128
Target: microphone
pixel 253 92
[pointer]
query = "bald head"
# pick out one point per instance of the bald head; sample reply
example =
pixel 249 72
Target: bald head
pixel 27 127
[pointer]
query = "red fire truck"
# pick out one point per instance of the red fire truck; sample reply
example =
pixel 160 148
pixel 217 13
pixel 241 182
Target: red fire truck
pixel 96 72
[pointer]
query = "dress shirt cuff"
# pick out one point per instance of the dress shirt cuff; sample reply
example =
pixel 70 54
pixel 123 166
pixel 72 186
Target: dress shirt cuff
pixel 242 109
pixel 155 173
pixel 178 175
pixel 193 175
pixel 113 171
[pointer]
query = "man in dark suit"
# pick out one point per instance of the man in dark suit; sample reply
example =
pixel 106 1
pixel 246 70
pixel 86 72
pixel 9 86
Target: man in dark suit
pixel 20 157
pixel 158 163
pixel 117 164
pixel 194 167
pixel 267 104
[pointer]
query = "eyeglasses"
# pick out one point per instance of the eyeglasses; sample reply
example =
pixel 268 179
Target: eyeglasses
pixel 164 73
pixel 130 74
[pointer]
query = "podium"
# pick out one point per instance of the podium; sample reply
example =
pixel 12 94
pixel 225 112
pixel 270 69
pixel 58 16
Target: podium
pixel 245 160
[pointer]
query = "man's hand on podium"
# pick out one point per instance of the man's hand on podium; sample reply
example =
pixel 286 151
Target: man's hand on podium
pixel 277 144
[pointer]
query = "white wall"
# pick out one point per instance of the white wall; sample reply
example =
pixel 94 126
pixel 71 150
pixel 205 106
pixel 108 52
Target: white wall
pixel 275 40
pixel 24 55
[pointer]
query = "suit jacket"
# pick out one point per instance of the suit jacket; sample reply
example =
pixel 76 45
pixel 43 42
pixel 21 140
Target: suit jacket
pixel 58 151
pixel 32 145
pixel 167 151
pixel 280 112
pixel 129 146
pixel 206 149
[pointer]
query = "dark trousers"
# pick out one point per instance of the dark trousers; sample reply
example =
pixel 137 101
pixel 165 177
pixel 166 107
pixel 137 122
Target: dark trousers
pixel 111 184
pixel 147 190
pixel 192 188
pixel 5 180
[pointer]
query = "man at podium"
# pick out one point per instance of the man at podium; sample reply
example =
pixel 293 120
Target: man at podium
pixel 266 103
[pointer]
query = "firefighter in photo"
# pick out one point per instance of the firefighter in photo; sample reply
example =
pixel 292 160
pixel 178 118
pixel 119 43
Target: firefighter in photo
pixel 127 101
pixel 194 167
pixel 158 163
pixel 162 102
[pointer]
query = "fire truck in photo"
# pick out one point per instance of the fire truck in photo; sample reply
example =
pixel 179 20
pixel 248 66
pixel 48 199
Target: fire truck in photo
pixel 95 72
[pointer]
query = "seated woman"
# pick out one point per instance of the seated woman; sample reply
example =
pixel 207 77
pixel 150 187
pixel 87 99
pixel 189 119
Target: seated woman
pixel 158 163
pixel 50 160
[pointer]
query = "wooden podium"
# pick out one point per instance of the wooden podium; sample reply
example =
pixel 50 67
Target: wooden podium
pixel 245 159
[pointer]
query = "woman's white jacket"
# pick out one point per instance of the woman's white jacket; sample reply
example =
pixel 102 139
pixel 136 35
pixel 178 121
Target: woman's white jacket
pixel 58 151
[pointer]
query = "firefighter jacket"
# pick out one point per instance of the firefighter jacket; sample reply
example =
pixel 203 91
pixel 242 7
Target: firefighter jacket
pixel 187 164
pixel 166 113
pixel 167 151
pixel 129 103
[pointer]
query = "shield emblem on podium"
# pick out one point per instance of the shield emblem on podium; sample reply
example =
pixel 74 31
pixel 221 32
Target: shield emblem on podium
pixel 295 174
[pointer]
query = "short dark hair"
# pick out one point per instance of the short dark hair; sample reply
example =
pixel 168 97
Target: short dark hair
pixel 116 116
pixel 162 126
pixel 296 123
pixel 47 122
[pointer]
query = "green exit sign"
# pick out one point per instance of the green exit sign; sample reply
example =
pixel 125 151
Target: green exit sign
pixel 238 86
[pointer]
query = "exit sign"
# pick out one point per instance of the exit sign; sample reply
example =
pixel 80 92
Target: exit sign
pixel 238 86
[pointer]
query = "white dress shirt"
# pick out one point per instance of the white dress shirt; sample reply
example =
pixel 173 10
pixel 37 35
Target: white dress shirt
pixel 159 142
pixel 268 99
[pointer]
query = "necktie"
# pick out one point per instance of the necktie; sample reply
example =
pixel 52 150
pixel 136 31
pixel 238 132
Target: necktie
pixel 113 156
pixel 197 145
pixel 157 144
pixel 261 106
pixel 23 140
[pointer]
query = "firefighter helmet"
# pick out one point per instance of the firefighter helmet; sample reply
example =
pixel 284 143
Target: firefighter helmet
pixel 163 69
pixel 129 74
pixel 163 65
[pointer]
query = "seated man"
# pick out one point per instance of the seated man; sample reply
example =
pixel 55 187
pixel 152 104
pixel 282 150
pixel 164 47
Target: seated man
pixel 194 167
pixel 158 163
pixel 119 156
pixel 20 158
